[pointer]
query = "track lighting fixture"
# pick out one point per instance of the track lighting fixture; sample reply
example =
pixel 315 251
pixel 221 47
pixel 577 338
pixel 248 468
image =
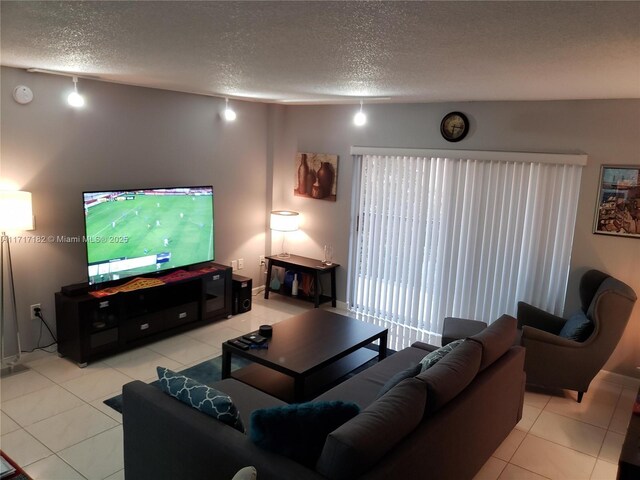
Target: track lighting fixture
pixel 74 98
pixel 360 118
pixel 229 114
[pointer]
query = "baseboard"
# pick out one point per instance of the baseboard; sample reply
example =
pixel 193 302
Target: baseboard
pixel 619 379
pixel 342 305
pixel 339 305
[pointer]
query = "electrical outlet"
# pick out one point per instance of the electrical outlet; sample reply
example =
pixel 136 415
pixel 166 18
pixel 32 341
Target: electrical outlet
pixel 261 261
pixel 32 311
pixel 240 263
pixel 234 265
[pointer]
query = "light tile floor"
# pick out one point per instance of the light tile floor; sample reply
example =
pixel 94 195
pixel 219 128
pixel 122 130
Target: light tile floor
pixel 54 424
pixel 559 438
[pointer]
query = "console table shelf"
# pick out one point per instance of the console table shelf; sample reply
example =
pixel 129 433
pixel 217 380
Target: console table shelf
pixel 307 265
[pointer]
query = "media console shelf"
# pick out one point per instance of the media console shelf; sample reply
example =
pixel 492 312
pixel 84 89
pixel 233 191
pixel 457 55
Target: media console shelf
pixel 93 327
pixel 304 265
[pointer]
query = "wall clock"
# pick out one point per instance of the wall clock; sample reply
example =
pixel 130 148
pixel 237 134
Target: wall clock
pixel 454 126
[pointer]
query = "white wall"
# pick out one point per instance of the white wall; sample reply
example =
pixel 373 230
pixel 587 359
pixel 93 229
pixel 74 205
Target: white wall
pixel 124 137
pixel 608 131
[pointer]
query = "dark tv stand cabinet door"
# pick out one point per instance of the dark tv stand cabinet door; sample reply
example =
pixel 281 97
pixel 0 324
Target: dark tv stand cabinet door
pixel 90 328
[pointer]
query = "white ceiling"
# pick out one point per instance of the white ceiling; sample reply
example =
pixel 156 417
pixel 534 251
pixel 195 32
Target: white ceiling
pixel 331 52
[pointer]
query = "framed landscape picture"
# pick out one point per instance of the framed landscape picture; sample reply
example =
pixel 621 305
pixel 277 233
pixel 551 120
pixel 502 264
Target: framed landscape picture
pixel 618 206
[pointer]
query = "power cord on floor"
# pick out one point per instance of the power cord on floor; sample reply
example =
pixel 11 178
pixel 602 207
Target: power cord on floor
pixel 38 313
pixel 259 290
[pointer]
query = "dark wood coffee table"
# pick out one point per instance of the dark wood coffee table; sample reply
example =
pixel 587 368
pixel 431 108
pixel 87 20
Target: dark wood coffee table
pixel 306 353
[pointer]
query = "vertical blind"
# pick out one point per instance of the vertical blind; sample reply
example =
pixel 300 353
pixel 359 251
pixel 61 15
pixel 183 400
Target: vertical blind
pixel 438 237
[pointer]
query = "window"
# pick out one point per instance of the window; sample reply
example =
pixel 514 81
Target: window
pixel 438 235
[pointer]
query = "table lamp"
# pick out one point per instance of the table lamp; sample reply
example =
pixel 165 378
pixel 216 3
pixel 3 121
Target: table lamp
pixel 15 214
pixel 284 221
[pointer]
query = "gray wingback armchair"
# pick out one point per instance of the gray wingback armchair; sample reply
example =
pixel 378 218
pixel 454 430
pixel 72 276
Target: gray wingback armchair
pixel 557 362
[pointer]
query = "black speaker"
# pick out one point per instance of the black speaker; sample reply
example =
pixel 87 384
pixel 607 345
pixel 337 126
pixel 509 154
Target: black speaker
pixel 241 293
pixel 76 289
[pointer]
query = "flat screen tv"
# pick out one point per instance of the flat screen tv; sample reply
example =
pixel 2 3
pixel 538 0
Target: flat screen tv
pixel 141 231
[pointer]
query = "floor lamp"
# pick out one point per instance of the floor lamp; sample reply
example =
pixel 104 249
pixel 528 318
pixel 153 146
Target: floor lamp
pixel 15 214
pixel 284 221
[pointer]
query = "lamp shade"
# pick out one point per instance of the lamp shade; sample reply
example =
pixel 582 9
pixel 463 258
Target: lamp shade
pixel 284 220
pixel 15 210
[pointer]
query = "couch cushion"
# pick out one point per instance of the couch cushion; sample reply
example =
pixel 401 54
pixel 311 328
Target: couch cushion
pixel 451 375
pixel 206 399
pixel 434 357
pixel 578 327
pixel 299 431
pixel 363 388
pixel 455 328
pixel 356 446
pixel 246 398
pixel 412 371
pixel 496 339
pixel 424 346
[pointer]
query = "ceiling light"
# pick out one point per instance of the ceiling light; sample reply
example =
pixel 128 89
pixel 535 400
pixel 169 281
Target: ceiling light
pixel 74 98
pixel 229 114
pixel 360 118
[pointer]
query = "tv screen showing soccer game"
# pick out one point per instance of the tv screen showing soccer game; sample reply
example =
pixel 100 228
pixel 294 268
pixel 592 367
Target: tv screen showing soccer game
pixel 136 232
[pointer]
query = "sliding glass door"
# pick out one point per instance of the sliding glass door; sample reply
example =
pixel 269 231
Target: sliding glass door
pixel 465 237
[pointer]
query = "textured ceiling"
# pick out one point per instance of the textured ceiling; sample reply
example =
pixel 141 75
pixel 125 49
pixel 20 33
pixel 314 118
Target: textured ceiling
pixel 320 52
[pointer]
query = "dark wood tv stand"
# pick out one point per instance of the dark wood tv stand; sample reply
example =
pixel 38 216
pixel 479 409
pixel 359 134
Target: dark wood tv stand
pixel 91 327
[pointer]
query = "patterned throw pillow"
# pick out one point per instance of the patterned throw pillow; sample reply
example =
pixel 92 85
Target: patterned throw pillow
pixel 201 397
pixel 434 357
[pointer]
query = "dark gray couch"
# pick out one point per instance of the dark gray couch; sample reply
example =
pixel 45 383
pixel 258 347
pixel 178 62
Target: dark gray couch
pixel 442 424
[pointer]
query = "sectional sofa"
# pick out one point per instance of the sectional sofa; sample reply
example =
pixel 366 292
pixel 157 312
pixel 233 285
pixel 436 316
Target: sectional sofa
pixel 443 423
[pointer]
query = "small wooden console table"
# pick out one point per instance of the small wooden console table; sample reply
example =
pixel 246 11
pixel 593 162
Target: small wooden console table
pixel 304 265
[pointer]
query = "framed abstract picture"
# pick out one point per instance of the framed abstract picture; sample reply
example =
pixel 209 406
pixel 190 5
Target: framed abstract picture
pixel 618 206
pixel 316 176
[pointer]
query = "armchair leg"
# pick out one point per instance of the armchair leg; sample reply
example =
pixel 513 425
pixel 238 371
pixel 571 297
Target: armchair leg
pixel 580 394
